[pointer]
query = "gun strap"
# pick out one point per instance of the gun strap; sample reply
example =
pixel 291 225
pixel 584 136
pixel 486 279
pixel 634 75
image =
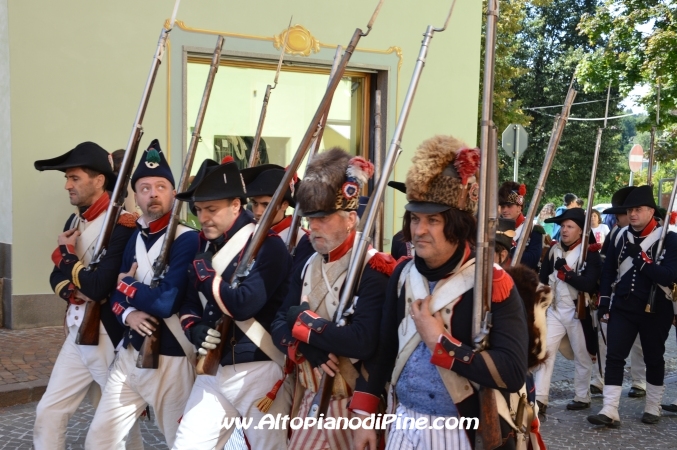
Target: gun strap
pixel 489 361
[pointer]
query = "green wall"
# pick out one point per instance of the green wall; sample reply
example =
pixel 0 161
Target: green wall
pixel 77 70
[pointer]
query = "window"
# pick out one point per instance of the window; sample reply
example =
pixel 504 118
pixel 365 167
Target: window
pixel 235 106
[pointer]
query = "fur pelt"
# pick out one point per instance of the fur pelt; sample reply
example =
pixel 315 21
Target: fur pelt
pixel 433 178
pixel 537 298
pixel 324 177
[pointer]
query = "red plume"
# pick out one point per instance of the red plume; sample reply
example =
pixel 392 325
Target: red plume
pixel 673 217
pixel 522 189
pixel 466 163
pixel 227 159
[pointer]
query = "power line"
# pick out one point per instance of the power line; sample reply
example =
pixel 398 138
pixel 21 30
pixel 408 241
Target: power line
pixel 581 119
pixel 578 103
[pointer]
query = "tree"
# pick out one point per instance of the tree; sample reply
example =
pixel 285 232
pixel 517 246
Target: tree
pixel 635 43
pixel 550 48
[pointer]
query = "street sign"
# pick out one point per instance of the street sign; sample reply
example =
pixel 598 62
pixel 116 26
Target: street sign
pixel 636 158
pixel 515 137
pixel 514 141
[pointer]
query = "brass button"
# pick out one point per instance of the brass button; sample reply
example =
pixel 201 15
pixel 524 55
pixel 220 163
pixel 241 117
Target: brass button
pixel 452 353
pixel 336 288
pixel 76 317
pixel 439 352
pixel 408 300
pixel 77 308
pixel 305 284
pixel 298 323
pixel 466 358
pixel 319 328
pixel 448 311
pixel 466 387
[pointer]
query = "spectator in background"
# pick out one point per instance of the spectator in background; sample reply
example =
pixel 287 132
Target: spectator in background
pixel 579 203
pixel 547 212
pixel 599 229
pixel 569 202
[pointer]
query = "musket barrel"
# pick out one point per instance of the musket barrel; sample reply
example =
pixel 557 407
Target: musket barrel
pixel 555 137
pixel 378 162
pixel 488 187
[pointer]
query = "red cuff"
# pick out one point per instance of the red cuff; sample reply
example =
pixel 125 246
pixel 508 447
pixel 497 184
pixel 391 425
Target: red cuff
pixel 561 275
pixel 441 357
pixel 306 322
pixel 126 289
pixel 118 309
pixel 64 251
pixel 363 401
pixel 646 258
pixel 56 256
pixel 292 346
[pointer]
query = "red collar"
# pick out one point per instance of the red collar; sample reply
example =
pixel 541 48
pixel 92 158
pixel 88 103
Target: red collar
pixel 342 249
pixel 519 221
pixel 99 206
pixel 648 228
pixel 282 225
pixel 159 224
pixel 574 245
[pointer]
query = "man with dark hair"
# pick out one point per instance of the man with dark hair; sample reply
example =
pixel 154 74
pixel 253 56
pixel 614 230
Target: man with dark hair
pixel 250 364
pixel 569 202
pixel 304 327
pixel 637 366
pixel 561 271
pixel 426 339
pixel 80 369
pixel 142 309
pixel 511 204
pixel 632 270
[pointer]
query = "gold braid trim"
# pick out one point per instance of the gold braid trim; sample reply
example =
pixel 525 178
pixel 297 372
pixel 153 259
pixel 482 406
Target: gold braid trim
pixel 76 273
pixel 59 287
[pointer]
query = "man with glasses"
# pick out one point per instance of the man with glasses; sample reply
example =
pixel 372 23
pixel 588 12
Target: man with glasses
pixel 631 269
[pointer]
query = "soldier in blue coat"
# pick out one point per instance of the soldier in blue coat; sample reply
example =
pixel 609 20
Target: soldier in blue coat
pixel 251 364
pixel 141 309
pixel 631 269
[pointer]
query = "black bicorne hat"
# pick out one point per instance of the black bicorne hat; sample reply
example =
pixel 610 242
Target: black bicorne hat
pixel 505 232
pixel 215 182
pixel 618 199
pixel 86 154
pixel 398 185
pixel 641 196
pixel 265 179
pixel 152 164
pixel 575 214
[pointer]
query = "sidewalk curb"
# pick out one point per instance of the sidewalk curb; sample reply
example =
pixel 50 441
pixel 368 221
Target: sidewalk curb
pixel 20 393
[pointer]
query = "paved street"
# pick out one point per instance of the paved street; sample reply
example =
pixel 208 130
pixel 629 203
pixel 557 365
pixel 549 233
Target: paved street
pixel 562 430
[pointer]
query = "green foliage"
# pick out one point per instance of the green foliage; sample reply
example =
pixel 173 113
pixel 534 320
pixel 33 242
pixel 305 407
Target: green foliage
pixel 635 43
pixel 550 49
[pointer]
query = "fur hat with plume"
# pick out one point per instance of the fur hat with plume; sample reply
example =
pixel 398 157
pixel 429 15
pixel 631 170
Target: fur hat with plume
pixel 443 173
pixel 332 182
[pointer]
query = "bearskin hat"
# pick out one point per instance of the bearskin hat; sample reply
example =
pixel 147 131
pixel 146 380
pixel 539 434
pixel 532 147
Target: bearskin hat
pixel 332 182
pixel 442 176
pixel 511 193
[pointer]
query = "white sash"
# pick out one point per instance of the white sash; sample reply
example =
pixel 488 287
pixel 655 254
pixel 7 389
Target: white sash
pixel 518 232
pixel 250 327
pixel 562 287
pixel 144 274
pixel 445 294
pixel 645 244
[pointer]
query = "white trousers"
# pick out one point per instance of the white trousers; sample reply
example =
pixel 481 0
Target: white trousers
pixel 562 321
pixel 130 389
pixel 78 369
pixel 424 439
pixel 637 365
pixel 233 392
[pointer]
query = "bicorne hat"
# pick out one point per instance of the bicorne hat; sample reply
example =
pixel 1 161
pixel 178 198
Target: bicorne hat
pixel 152 164
pixel 575 214
pixel 332 182
pixel 265 179
pixel 215 181
pixel 641 196
pixel 86 154
pixel 618 199
pixel 442 177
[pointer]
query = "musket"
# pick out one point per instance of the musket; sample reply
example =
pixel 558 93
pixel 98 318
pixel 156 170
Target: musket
pixel 149 354
pixel 649 174
pixel 88 333
pixel 254 155
pixel 487 213
pixel 378 157
pixel 255 243
pixel 292 236
pixel 581 307
pixel 651 304
pixel 366 226
pixel 556 135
